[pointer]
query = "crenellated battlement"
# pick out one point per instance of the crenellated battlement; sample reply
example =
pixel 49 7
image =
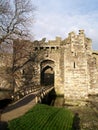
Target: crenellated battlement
pixel 73 42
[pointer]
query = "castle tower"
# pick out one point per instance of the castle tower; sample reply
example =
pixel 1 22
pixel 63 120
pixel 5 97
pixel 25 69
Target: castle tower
pixel 76 74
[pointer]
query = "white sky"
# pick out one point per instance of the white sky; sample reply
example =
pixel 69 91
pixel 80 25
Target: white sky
pixel 59 17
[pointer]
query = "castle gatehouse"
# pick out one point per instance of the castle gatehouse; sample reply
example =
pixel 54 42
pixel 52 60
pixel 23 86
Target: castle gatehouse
pixel 70 65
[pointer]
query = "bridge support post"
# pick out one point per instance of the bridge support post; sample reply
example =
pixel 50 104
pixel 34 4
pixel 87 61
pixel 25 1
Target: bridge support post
pixel 36 99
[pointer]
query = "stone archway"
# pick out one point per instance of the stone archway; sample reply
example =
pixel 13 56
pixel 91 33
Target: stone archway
pixel 47 73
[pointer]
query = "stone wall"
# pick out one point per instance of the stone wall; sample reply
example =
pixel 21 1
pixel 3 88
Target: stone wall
pixel 76 71
pixel 5 71
pixel 93 69
pixel 72 62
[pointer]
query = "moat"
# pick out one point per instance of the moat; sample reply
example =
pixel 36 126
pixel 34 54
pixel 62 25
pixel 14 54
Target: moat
pixel 88 114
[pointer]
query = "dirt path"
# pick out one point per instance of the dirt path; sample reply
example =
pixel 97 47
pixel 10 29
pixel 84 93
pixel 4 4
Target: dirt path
pixel 19 108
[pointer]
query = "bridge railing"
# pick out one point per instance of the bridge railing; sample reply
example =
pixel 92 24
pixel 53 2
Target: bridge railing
pixel 40 90
pixel 44 91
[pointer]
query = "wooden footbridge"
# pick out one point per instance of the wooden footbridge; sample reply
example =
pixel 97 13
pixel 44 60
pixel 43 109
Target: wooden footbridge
pixel 40 91
pixel 24 100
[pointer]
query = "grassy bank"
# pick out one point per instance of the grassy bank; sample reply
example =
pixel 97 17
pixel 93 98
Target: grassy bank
pixel 43 117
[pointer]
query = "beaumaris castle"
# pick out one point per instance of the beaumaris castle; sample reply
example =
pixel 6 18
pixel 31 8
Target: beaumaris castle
pixel 70 65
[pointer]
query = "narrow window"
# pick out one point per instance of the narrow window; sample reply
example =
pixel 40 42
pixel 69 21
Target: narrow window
pixel 52 47
pixel 47 47
pixel 41 48
pixel 74 65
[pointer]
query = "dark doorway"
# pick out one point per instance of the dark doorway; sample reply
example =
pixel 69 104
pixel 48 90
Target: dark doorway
pixel 47 76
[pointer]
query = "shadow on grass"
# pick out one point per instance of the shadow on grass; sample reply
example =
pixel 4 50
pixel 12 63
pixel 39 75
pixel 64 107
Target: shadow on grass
pixel 76 122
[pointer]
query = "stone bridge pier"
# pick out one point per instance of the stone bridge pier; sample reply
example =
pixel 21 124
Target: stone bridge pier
pixel 42 94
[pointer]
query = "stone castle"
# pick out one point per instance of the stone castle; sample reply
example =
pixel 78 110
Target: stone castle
pixel 70 65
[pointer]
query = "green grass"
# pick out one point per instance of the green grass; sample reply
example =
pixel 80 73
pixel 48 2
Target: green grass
pixel 43 117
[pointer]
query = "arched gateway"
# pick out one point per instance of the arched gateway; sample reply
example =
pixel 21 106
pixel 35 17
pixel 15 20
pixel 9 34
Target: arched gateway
pixel 47 73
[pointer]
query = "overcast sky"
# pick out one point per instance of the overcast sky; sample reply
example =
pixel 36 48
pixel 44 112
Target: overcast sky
pixel 59 17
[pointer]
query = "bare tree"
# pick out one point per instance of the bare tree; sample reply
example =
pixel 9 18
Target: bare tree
pixel 21 57
pixel 15 19
pixel 25 58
